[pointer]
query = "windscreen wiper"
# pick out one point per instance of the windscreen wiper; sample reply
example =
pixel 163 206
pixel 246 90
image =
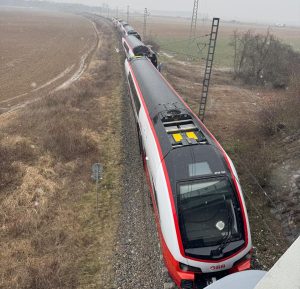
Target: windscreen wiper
pixel 226 240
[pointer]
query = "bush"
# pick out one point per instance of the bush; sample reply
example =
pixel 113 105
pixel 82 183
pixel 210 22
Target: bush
pixel 256 140
pixel 253 153
pixel 263 59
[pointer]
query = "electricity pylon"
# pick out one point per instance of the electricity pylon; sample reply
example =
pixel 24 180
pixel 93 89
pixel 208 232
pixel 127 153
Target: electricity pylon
pixel 194 19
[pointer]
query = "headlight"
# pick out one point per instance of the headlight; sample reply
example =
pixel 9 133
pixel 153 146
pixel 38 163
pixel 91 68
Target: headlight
pixel 188 268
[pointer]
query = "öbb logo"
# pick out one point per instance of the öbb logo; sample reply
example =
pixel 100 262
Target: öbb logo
pixel 217 267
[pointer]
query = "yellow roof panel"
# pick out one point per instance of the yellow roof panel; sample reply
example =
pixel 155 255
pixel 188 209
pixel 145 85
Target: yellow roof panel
pixel 192 135
pixel 177 137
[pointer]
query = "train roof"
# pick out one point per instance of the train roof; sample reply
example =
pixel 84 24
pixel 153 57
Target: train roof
pixel 133 41
pixel 189 151
pixel 129 28
pixel 174 123
pixel 158 94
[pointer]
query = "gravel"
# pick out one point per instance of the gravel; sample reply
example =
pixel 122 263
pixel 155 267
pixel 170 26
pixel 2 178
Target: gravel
pixel 138 261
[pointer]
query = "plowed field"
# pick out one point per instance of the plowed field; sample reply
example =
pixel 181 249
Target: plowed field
pixel 39 50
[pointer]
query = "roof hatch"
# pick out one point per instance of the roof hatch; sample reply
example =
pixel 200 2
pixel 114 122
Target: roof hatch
pixel 181 129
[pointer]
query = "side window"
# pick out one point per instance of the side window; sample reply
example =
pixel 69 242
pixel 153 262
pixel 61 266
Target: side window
pixel 126 47
pixel 134 94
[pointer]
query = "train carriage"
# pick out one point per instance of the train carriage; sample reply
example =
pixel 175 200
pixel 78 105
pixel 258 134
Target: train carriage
pixel 197 199
pixel 133 47
pixel 128 30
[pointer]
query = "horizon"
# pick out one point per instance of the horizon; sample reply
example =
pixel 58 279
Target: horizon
pixel 287 12
pixel 204 11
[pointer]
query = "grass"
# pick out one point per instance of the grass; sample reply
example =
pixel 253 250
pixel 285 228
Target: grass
pixel 223 55
pixel 172 35
pixel 184 51
pixel 50 233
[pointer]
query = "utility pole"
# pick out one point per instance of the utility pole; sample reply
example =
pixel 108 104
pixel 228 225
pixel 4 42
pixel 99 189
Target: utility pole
pixel 127 13
pixel 103 10
pixel 146 14
pixel 209 63
pixel 194 19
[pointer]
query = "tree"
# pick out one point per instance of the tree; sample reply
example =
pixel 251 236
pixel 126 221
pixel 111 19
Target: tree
pixel 263 59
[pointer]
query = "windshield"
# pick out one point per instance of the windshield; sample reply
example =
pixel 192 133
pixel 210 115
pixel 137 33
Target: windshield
pixel 208 212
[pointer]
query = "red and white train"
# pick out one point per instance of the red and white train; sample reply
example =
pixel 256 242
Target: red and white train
pixel 198 202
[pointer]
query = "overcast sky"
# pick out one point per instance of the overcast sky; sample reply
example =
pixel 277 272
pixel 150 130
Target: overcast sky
pixel 272 11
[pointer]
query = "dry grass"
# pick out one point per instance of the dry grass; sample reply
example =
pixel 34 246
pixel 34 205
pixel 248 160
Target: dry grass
pixel 259 141
pixel 60 122
pixel 50 234
pixel 280 114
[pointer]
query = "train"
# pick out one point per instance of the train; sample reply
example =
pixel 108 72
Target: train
pixel 198 203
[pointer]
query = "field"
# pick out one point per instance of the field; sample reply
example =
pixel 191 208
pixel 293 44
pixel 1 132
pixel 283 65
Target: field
pixel 52 235
pixel 39 50
pixel 64 75
pixel 173 33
